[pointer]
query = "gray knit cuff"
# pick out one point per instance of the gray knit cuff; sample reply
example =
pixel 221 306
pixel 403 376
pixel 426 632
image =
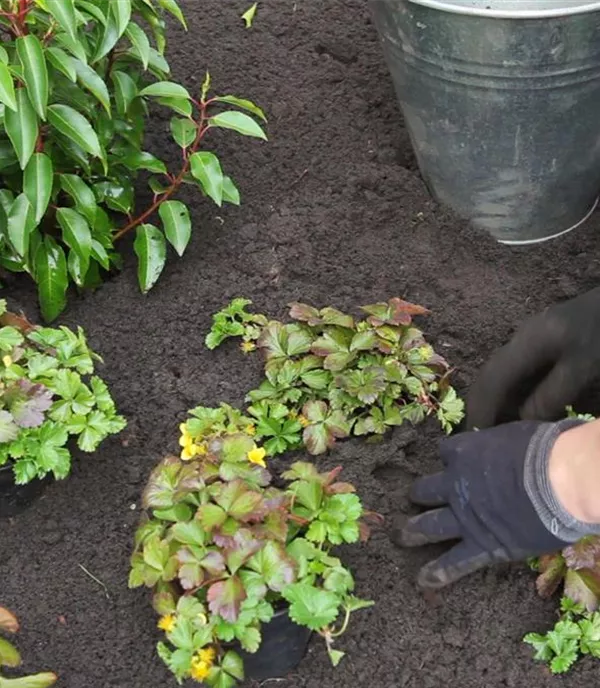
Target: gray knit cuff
pixel 537 484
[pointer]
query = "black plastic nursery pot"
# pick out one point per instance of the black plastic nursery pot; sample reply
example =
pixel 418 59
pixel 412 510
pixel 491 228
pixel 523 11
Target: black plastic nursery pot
pixel 282 648
pixel 14 498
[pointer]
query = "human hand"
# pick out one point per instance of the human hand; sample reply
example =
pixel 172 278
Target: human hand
pixel 553 357
pixel 495 496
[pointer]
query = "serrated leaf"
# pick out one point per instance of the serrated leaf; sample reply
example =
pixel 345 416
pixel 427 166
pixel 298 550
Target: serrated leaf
pixel 7 88
pixel 206 168
pixel 177 224
pixel 239 122
pixel 37 183
pixel 310 606
pixel 51 276
pixel 151 249
pixel 211 516
pixel 165 89
pixel 22 127
pixel 35 71
pixel 225 598
pixel 75 127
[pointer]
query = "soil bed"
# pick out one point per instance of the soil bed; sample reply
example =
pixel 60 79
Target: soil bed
pixel 334 212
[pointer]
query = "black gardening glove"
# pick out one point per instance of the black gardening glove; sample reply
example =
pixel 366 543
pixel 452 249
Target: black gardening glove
pixel 552 358
pixel 494 496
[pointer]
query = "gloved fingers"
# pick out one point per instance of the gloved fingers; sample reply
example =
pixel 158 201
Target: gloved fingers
pixel 428 528
pixel 558 389
pixel 431 490
pixel 463 559
pixel 535 346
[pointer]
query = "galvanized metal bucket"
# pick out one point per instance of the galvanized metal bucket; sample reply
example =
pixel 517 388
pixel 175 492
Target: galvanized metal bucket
pixel 502 102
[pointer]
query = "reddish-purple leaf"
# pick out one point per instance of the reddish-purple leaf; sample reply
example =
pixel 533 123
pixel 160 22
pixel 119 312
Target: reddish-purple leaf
pixel 27 403
pixel 331 316
pixel 552 570
pixel 214 563
pixel 584 554
pixel 305 313
pixel 394 312
pixel 583 587
pixel 243 546
pixel 191 576
pixel 226 597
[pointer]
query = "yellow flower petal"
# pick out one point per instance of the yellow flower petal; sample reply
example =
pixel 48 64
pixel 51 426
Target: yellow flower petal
pixel 257 456
pixel 303 420
pixel 167 623
pixel 199 671
pixel 7 360
pixel 189 452
pixel 207 655
pixel 247 347
pixel 250 430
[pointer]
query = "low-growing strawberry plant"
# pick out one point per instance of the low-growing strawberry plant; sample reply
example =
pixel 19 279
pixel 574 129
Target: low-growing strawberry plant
pixel 10 657
pixel 48 393
pixel 577 633
pixel 330 375
pixel 77 82
pixel 224 549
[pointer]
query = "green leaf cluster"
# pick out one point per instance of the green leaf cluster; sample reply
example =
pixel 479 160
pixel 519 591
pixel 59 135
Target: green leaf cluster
pixel 10 657
pixel 576 633
pixel 78 81
pixel 48 393
pixel 329 375
pixel 222 546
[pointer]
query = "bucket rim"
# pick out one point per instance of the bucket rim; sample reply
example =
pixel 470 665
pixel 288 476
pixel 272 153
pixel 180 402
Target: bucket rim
pixel 493 8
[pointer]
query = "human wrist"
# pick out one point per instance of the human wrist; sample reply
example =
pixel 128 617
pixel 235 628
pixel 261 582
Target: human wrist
pixel 574 471
pixel 556 488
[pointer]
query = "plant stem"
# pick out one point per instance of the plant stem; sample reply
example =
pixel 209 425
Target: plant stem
pixel 344 627
pixel 176 183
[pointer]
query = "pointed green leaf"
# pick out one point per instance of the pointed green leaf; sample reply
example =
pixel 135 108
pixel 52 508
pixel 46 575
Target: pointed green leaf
pixel 75 127
pixel 74 47
pixel 249 15
pixel 244 104
pixel 110 36
pixel 100 255
pixel 9 656
pixel 22 127
pixel 172 7
pixel 37 183
pixel 184 131
pixel 177 223
pixel 64 13
pixel 35 71
pixel 92 10
pixel 59 59
pixel 140 42
pixel 89 79
pixel 151 249
pixel 77 235
pixel 80 192
pixel 44 680
pixel 240 122
pixel 165 89
pixel 206 168
pixel 126 91
pixel 182 106
pixel 142 160
pixel 21 222
pixel 122 13
pixel 230 191
pixel 52 279
pixel 7 88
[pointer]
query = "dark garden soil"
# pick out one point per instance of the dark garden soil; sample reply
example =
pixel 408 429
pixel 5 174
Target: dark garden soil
pixel 334 212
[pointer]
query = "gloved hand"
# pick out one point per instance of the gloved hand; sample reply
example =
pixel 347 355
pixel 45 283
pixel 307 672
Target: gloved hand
pixel 555 355
pixel 495 496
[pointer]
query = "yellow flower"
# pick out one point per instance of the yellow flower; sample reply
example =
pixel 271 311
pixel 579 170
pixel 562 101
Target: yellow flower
pixel 7 360
pixel 199 671
pixel 189 452
pixel 207 655
pixel 293 413
pixel 167 623
pixel 202 661
pixel 303 420
pixel 250 430
pixel 257 456
pixel 247 347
